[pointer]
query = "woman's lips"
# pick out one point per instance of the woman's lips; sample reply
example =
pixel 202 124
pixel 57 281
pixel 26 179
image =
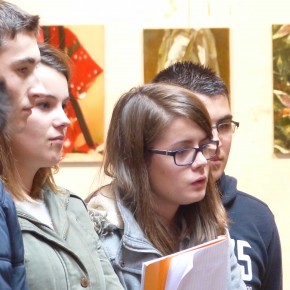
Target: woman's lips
pixel 57 139
pixel 200 181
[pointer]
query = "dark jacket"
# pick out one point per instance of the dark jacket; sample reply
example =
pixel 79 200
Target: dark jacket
pixel 256 237
pixel 12 270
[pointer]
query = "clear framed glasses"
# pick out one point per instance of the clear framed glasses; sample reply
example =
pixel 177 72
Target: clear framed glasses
pixel 226 127
pixel 186 156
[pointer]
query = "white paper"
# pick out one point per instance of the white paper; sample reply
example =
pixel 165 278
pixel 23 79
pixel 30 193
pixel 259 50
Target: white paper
pixel 204 269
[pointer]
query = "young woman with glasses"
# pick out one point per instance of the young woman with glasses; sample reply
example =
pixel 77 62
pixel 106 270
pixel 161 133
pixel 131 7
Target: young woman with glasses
pixel 161 198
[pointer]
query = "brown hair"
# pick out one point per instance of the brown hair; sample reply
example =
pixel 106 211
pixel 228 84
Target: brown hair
pixel 14 20
pixel 139 117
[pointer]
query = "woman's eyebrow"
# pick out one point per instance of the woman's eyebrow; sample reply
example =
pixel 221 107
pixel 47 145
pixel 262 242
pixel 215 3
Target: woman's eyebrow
pixel 27 60
pixel 55 97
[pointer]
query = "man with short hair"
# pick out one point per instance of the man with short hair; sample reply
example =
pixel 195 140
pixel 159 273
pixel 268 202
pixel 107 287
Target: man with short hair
pixel 19 56
pixel 252 226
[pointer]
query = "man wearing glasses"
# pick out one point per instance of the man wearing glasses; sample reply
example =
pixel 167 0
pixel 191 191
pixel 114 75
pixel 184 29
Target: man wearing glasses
pixel 252 226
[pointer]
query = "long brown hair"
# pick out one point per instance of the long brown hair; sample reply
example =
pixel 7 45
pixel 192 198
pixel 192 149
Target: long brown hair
pixel 44 176
pixel 139 117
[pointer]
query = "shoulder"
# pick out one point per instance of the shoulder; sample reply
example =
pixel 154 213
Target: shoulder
pixel 249 212
pixel 71 203
pixel 77 211
pixel 103 205
pixel 248 216
pixel 70 198
pixel 107 223
pixel 5 198
pixel 77 200
pixel 7 206
pixel 241 202
pixel 252 203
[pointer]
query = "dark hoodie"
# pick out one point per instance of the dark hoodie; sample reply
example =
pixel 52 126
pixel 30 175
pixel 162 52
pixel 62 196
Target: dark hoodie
pixel 255 235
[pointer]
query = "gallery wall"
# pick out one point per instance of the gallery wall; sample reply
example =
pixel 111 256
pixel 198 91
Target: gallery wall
pixel 252 160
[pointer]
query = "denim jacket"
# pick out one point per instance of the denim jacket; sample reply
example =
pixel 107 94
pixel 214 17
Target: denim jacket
pixel 127 247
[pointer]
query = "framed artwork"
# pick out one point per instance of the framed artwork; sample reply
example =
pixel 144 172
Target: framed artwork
pixel 85 46
pixel 208 46
pixel 281 89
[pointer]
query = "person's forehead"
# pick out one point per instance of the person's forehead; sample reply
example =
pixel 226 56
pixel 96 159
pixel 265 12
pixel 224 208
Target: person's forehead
pixel 23 47
pixel 217 106
pixel 214 101
pixel 214 98
pixel 54 83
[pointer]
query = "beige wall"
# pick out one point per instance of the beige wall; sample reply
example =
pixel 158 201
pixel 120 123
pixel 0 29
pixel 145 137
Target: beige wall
pixel 252 160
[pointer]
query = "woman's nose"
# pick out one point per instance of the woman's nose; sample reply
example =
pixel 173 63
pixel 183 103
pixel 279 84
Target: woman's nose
pixel 200 160
pixel 62 120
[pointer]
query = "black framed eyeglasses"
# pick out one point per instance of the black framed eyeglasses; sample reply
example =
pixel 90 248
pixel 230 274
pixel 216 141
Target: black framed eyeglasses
pixel 226 127
pixel 187 156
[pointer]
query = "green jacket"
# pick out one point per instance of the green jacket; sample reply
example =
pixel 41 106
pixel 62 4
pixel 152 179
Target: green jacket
pixel 71 256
